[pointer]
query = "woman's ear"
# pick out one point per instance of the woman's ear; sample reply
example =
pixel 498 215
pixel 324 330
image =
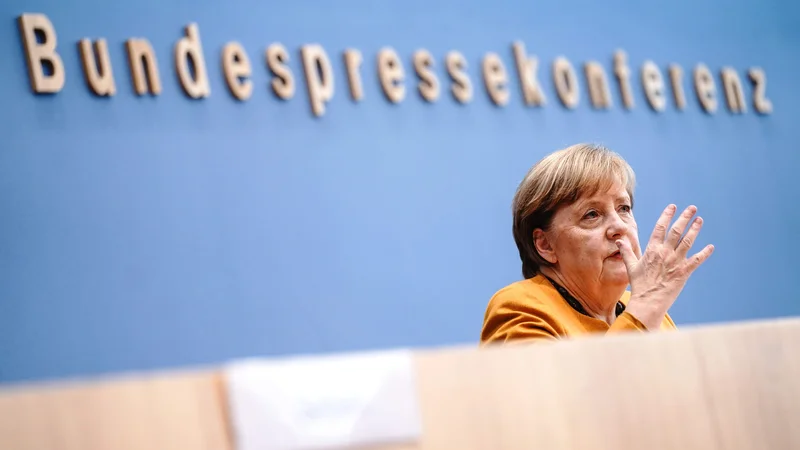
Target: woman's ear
pixel 543 246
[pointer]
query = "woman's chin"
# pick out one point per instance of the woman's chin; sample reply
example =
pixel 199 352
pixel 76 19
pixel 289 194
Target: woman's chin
pixel 617 278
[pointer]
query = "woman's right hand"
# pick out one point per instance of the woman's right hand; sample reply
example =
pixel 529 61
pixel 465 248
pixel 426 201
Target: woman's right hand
pixel 658 276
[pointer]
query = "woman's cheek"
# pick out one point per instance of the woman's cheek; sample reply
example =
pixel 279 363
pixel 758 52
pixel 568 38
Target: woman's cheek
pixel 633 235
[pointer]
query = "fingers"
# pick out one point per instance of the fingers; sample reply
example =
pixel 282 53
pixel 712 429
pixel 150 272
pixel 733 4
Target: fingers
pixel 628 257
pixel 688 240
pixel 700 257
pixel 675 233
pixel 660 230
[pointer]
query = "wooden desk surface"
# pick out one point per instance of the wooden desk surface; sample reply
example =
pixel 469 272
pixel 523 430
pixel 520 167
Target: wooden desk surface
pixel 732 387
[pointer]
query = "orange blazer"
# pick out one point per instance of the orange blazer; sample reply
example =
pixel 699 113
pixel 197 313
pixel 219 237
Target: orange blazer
pixel 533 309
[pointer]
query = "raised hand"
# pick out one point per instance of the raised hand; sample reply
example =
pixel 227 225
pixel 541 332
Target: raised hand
pixel 658 276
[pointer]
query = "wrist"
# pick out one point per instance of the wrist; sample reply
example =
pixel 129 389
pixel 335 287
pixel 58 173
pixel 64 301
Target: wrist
pixel 648 312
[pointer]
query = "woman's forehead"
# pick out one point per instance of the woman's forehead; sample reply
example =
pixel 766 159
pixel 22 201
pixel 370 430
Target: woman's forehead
pixel 609 192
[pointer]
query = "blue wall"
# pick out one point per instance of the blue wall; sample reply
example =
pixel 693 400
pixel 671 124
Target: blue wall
pixel 142 232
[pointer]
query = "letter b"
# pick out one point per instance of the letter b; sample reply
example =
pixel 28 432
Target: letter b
pixel 37 54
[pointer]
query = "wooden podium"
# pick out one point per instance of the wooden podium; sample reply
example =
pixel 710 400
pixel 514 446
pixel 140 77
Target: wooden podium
pixel 723 387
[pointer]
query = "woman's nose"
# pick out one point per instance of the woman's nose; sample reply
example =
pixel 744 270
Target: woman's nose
pixel 617 228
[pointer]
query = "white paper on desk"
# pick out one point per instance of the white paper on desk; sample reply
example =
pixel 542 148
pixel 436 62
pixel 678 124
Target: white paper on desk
pixel 324 402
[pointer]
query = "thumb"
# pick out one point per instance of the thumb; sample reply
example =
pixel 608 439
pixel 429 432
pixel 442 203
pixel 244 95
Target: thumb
pixel 627 254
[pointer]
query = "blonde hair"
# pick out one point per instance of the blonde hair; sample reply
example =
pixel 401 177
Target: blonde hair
pixel 561 178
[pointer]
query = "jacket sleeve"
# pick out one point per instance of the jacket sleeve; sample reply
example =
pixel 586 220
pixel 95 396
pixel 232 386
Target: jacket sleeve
pixel 626 322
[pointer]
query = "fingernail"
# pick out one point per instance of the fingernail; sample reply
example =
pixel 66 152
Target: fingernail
pixel 671 208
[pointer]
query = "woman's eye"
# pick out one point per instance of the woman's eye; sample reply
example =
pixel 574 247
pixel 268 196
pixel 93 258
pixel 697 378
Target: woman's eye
pixel 590 215
pixel 625 208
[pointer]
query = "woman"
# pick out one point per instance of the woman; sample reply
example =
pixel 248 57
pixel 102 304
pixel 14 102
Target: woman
pixel 577 238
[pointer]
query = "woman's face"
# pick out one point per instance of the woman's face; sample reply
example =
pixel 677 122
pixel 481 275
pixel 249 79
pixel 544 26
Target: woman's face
pixel 581 240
